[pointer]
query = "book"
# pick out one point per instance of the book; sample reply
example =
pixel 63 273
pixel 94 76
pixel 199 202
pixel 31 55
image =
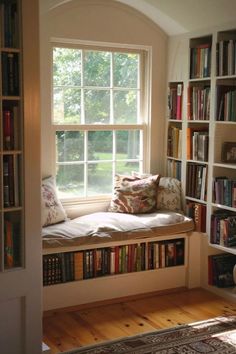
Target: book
pixel 179 102
pixel 7 130
pixel 180 251
pixel 78 265
pixel 221 270
pixel 8 244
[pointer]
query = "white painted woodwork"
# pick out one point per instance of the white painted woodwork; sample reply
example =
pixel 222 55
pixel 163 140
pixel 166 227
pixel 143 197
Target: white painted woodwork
pixel 20 289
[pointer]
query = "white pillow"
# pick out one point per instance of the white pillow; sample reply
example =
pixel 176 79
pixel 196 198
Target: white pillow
pixel 52 209
pixel 169 194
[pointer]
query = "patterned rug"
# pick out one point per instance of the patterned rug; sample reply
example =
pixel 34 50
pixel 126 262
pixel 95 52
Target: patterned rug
pixel 217 335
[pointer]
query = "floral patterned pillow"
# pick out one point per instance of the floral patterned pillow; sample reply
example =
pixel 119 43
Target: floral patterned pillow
pixel 52 209
pixel 134 195
pixel 169 194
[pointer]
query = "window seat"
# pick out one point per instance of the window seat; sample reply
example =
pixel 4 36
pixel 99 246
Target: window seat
pixel 88 233
pixel 103 227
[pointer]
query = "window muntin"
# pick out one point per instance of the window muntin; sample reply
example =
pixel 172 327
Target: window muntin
pixel 96 118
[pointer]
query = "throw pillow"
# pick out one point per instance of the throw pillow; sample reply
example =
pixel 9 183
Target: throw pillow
pixel 134 195
pixel 52 209
pixel 169 194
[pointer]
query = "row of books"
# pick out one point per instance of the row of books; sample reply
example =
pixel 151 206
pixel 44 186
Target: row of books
pixel 175 101
pixel 223 228
pixel 227 104
pixel 226 57
pixel 70 266
pixel 224 191
pixel 10 74
pixel 174 146
pixel 10 118
pixel 198 104
pixel 200 61
pixel 9 34
pixel 196 182
pixel 197 144
pixel 11 191
pixel 12 246
pixel 220 270
pixel 174 169
pixel 197 212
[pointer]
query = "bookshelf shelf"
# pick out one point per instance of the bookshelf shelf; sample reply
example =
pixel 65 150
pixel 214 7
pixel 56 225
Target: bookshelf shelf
pixel 191 121
pixel 175 121
pixel 196 200
pixel 223 248
pixel 228 166
pixel 173 158
pixel 10 50
pixel 203 79
pixel 198 162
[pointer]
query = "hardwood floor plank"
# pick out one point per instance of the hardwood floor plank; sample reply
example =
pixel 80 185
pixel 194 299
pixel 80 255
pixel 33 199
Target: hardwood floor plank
pixel 68 330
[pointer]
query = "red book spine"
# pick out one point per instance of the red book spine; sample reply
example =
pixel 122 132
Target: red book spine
pixel 179 102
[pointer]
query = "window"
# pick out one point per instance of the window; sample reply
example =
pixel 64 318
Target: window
pixel 97 118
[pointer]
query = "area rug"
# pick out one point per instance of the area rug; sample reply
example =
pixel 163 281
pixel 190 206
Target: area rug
pixel 217 335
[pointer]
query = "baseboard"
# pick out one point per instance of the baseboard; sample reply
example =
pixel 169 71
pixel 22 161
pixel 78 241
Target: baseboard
pixel 113 301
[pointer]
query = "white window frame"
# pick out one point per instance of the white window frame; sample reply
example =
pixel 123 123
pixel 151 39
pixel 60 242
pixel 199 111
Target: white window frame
pixel 145 105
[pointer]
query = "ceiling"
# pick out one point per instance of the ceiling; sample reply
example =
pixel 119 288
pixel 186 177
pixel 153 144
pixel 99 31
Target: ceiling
pixel 177 16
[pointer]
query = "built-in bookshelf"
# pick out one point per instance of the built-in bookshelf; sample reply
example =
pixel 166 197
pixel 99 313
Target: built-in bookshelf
pixel 119 259
pixel 223 211
pixel 20 243
pixel 197 128
pixel 174 143
pixel 11 144
pixel 209 143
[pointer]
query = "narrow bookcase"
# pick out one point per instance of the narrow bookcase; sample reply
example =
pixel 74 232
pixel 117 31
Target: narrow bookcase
pixel 223 216
pixel 174 143
pixel 11 142
pixel 209 145
pixel 197 134
pixel 20 243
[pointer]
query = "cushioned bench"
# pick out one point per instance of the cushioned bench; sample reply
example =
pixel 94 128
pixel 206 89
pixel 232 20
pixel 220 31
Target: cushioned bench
pixel 166 219
pixel 103 227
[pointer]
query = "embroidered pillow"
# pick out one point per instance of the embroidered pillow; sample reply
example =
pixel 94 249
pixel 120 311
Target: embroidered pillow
pixel 169 194
pixel 52 209
pixel 134 195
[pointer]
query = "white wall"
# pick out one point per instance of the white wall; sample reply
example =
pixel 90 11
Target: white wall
pixel 105 21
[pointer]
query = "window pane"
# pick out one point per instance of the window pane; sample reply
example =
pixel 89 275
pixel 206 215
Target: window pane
pixel 97 106
pixel 70 146
pixel 100 145
pixel 96 68
pixel 125 107
pixel 66 66
pixel 67 106
pixel 99 178
pixel 127 144
pixel 126 168
pixel 70 181
pixel 126 70
pixel 58 105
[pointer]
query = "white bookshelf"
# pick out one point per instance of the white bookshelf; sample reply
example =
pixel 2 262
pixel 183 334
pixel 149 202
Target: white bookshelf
pixel 220 131
pixel 78 292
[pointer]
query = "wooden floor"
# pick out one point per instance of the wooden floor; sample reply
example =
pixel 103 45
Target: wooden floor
pixel 67 330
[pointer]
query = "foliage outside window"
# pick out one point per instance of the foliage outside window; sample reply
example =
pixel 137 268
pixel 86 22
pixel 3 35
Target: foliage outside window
pixel 96 117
